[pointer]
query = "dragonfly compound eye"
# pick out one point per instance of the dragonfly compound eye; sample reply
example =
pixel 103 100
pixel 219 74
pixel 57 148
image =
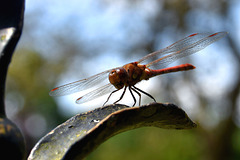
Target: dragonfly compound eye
pixel 118 77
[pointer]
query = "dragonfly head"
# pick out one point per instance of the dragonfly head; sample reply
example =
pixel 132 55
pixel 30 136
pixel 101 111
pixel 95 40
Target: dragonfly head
pixel 118 77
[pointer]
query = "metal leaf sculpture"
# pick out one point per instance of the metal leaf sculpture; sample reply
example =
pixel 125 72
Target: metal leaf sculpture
pixel 81 134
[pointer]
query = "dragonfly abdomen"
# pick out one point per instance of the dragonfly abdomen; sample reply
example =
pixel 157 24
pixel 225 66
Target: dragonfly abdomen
pixel 182 67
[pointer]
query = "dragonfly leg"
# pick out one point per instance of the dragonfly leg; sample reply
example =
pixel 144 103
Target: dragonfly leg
pixel 139 94
pixel 144 93
pixel 110 96
pixel 121 95
pixel 130 89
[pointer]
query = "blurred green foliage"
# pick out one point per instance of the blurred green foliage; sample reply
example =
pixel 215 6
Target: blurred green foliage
pixel 151 143
pixel 28 82
pixel 33 73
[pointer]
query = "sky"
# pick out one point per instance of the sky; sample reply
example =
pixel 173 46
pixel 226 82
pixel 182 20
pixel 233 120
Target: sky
pixel 94 22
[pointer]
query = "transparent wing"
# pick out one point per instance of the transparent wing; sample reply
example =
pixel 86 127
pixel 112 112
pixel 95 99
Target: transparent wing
pixel 96 93
pixel 182 48
pixel 80 85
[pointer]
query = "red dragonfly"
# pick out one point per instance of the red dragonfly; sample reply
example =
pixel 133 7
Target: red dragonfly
pixel 130 74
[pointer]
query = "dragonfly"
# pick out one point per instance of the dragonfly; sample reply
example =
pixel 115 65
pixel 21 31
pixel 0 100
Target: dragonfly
pixel 147 67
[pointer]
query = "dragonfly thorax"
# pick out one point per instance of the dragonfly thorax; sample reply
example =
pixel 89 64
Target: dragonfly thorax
pixel 128 75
